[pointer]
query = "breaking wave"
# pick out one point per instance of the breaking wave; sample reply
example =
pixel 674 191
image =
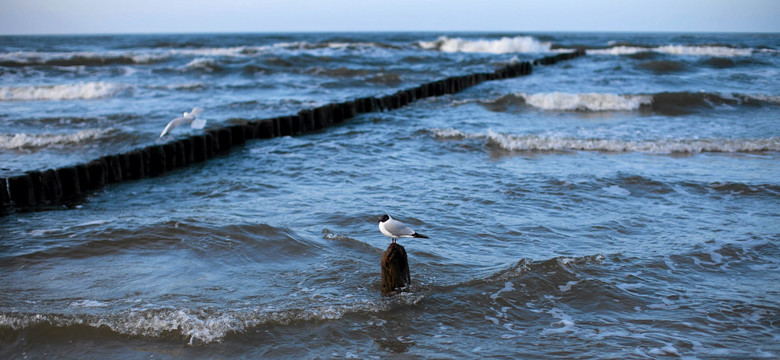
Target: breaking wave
pixel 79 91
pixel 670 103
pixel 194 326
pixel 209 325
pixel 586 102
pixel 540 143
pixel 706 50
pixel 38 141
pixel 517 44
pixel 22 59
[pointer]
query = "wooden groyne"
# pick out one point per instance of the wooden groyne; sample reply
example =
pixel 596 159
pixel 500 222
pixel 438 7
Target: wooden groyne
pixel 66 186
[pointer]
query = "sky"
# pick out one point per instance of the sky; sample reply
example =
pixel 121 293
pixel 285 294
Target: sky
pixel 188 16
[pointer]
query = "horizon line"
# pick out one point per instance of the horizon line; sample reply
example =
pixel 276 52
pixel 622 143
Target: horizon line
pixel 220 32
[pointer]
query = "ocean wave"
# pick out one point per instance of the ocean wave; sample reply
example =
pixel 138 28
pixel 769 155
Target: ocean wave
pixel 339 45
pixel 199 326
pixel 89 241
pixel 586 101
pixel 152 56
pixel 22 59
pixel 203 64
pixel 251 50
pixel 669 103
pixel 517 44
pixel 194 326
pixel 78 91
pixel 705 50
pixel 39 141
pixel 677 103
pixel 540 143
pixel 663 66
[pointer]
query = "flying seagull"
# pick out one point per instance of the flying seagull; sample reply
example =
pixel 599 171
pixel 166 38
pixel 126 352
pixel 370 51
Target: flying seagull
pixel 395 229
pixel 189 117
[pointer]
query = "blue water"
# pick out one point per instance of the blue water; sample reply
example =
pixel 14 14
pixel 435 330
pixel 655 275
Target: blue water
pixel 619 205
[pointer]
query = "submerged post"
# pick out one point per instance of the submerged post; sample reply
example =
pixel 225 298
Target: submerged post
pixel 395 270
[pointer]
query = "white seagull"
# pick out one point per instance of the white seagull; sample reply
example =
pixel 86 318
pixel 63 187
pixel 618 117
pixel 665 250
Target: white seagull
pixel 187 117
pixel 395 229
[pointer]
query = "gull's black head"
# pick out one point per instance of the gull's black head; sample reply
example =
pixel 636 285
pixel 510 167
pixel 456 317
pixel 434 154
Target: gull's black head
pixel 384 218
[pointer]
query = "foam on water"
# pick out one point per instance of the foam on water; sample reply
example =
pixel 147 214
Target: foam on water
pixel 38 141
pixel 77 91
pixel 668 103
pixel 517 44
pixel 522 143
pixel 196 326
pixel 79 58
pixel 205 64
pixel 586 101
pixel 722 51
pixel 88 304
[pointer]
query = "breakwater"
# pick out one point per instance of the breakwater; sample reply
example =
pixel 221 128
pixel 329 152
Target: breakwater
pixel 67 186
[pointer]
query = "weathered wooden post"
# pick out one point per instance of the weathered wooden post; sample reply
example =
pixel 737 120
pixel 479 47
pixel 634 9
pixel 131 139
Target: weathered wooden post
pixel 395 270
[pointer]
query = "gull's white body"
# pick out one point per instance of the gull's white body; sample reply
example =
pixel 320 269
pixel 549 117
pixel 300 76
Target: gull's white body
pixel 395 229
pixel 189 117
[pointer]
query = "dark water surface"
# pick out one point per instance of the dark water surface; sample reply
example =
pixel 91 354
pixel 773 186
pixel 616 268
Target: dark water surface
pixel 621 205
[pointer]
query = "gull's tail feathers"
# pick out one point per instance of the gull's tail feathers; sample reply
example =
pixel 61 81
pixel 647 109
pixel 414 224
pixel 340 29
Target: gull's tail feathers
pixel 198 124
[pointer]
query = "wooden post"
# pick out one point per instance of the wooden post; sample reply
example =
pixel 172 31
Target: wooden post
pixel 395 270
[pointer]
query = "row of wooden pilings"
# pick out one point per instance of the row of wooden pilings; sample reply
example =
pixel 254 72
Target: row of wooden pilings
pixel 66 186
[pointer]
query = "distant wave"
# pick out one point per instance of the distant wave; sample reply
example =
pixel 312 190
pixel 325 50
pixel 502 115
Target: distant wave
pixel 22 59
pixel 670 103
pixel 303 45
pixel 517 44
pixel 78 91
pixel 203 64
pixel 540 143
pixel 704 50
pixel 156 55
pixel 37 141
pixel 142 57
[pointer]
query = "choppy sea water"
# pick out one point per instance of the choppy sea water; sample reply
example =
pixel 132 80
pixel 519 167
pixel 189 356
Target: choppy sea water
pixel 620 205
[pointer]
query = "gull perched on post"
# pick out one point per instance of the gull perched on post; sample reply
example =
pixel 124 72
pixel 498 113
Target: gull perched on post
pixel 190 117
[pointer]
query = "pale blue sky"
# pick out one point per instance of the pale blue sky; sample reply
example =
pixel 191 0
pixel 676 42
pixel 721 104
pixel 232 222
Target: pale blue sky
pixel 166 16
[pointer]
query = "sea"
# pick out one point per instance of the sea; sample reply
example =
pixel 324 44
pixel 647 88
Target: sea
pixel 621 205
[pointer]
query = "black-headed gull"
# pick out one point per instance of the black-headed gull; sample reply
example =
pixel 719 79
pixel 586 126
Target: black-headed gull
pixel 395 229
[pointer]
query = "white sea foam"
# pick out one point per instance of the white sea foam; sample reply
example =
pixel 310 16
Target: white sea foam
pixel 521 143
pixel 88 304
pixel 37 141
pixel 517 44
pixel 766 98
pixel 508 286
pixel 226 51
pixel 616 191
pixel 567 287
pixel 196 326
pixel 78 91
pixel 564 325
pixel 666 350
pixel 722 51
pixel 206 64
pixel 586 101
pixel 82 57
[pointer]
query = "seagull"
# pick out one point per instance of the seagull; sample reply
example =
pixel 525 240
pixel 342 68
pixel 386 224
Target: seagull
pixel 394 229
pixel 187 117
